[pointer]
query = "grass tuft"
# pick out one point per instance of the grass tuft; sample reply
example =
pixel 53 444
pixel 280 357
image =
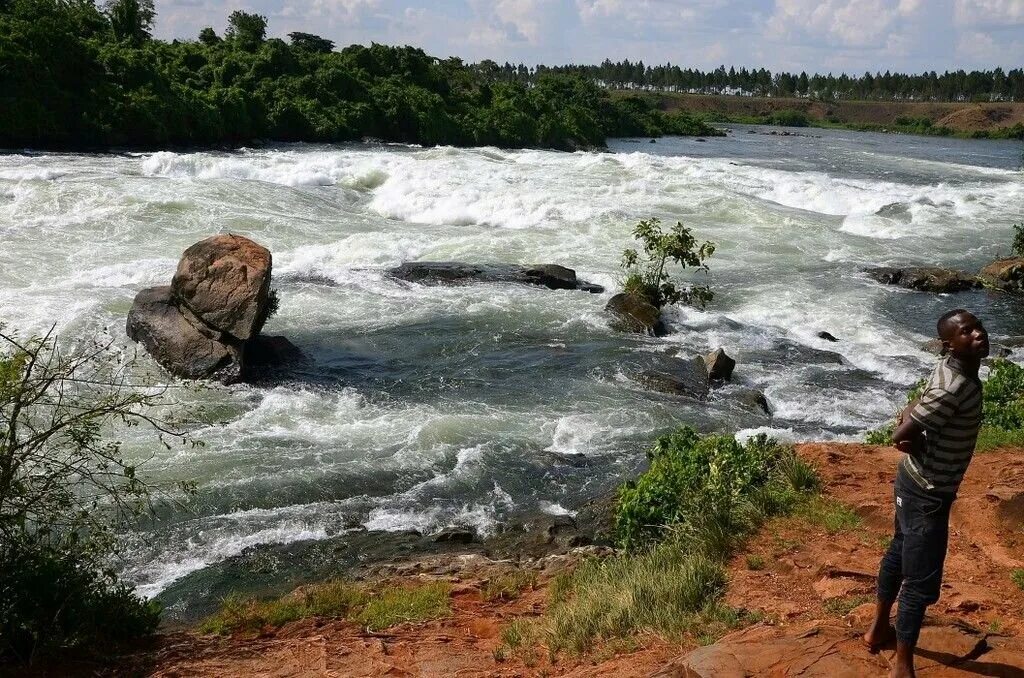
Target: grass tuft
pixel 830 514
pixel 508 586
pixel 388 607
pixel 755 562
pixel 1017 577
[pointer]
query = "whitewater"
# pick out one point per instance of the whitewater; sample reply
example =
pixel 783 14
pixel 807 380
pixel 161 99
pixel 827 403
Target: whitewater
pixel 424 407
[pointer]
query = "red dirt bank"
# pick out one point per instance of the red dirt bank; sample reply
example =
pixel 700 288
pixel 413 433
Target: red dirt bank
pixel 810 581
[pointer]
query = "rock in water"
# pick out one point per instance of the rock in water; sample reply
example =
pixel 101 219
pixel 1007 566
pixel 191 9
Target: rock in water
pixel 225 281
pixel 827 336
pixel 552 276
pixel 720 365
pixel 633 313
pixel 1005 274
pixel 187 349
pixel 925 278
pixel 206 324
pixel 686 378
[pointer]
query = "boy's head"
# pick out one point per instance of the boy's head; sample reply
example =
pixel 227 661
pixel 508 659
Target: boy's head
pixel 962 334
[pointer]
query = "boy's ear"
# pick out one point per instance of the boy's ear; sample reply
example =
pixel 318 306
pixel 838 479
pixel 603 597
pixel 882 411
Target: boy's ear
pixel 945 347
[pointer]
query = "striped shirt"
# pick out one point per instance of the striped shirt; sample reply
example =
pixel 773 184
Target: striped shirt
pixel 950 413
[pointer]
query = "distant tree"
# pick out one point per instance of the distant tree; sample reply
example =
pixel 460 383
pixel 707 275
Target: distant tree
pixel 311 43
pixel 209 37
pixel 131 20
pixel 247 29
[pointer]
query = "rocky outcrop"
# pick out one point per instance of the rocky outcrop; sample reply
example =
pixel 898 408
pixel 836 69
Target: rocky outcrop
pixel 1004 274
pixel 925 278
pixel 719 365
pixel 206 324
pixel 833 651
pixel 753 399
pixel 633 313
pixel 552 276
pixel 686 378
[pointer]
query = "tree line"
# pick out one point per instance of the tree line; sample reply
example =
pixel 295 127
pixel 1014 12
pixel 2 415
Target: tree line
pixel 77 75
pixel 960 85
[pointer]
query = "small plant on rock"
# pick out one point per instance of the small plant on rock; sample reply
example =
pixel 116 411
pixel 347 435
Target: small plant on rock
pixel 1018 239
pixel 646 273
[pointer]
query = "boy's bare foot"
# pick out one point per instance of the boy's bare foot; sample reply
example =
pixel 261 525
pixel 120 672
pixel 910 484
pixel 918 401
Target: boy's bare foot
pixel 903 665
pixel 879 637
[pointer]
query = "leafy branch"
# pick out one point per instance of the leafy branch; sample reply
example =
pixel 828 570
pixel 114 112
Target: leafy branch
pixel 646 273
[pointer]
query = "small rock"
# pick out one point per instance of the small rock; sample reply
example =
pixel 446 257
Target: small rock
pixel 635 314
pixel 689 379
pixel 826 336
pixel 1005 274
pixel 753 399
pixel 456 535
pixel 719 365
pixel 925 278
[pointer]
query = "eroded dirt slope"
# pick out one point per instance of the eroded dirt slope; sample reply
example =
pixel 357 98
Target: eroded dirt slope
pixel 814 587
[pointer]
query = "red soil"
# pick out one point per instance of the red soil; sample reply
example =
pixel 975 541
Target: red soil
pixel 809 581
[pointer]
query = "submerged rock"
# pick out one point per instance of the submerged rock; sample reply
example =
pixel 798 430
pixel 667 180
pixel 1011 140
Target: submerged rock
pixel 827 336
pixel 753 399
pixel 687 378
pixel 633 313
pixel 206 324
pixel 925 278
pixel 1005 274
pixel 552 276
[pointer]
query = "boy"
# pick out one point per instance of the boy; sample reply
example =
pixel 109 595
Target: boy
pixel 937 432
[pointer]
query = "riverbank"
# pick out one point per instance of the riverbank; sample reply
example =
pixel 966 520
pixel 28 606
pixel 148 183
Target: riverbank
pixel 803 581
pixel 995 120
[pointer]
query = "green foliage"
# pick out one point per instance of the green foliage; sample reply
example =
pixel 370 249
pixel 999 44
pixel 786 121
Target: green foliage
pixel 1017 577
pixel 790 118
pixel 508 586
pixel 74 76
pixel 1002 422
pixel 844 605
pixel 711 489
pixel 375 610
pixel 65 490
pixel 645 273
pixel 1018 239
pixel 755 562
pixel 830 514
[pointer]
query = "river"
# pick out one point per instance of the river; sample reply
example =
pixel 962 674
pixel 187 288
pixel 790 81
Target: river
pixel 430 406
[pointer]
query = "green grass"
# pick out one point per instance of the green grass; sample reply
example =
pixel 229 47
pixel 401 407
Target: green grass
pixel 678 524
pixel 1017 577
pixel 508 586
pixel 843 606
pixel 373 610
pixel 830 514
pixel 755 562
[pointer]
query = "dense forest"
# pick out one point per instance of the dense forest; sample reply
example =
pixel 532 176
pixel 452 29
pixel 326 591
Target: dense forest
pixel 75 75
pixel 994 85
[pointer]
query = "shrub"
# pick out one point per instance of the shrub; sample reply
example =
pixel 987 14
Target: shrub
pixel 1002 420
pixel 709 486
pixel 508 586
pixel 1018 239
pixel 1017 577
pixel 790 118
pixel 645 273
pixel 65 490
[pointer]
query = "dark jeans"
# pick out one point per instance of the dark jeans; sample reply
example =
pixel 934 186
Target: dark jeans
pixel 916 554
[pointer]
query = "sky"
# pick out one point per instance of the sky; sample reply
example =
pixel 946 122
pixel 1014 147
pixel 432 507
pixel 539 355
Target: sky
pixel 849 36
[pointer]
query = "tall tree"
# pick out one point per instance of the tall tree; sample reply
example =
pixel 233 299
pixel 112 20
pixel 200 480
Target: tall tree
pixel 131 20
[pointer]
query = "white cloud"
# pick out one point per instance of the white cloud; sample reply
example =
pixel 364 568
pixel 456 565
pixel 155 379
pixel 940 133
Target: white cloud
pixel 988 12
pixel 853 23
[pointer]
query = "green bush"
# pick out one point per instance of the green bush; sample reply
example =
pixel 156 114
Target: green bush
pixel 709 487
pixel 1018 239
pixel 1002 420
pixel 58 596
pixel 65 492
pixel 790 118
pixel 645 270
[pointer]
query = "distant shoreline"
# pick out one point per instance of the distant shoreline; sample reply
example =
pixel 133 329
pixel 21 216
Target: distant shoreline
pixel 996 120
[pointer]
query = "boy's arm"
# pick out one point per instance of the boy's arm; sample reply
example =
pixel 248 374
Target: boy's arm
pixel 909 435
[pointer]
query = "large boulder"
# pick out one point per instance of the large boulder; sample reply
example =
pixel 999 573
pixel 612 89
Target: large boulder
pixel 183 346
pixel 1004 274
pixel 225 281
pixel 633 313
pixel 206 323
pixel 925 278
pixel 552 276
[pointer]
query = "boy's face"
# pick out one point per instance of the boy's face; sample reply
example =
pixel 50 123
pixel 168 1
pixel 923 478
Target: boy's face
pixel 966 337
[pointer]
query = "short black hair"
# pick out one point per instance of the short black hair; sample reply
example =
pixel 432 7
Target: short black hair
pixel 946 317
